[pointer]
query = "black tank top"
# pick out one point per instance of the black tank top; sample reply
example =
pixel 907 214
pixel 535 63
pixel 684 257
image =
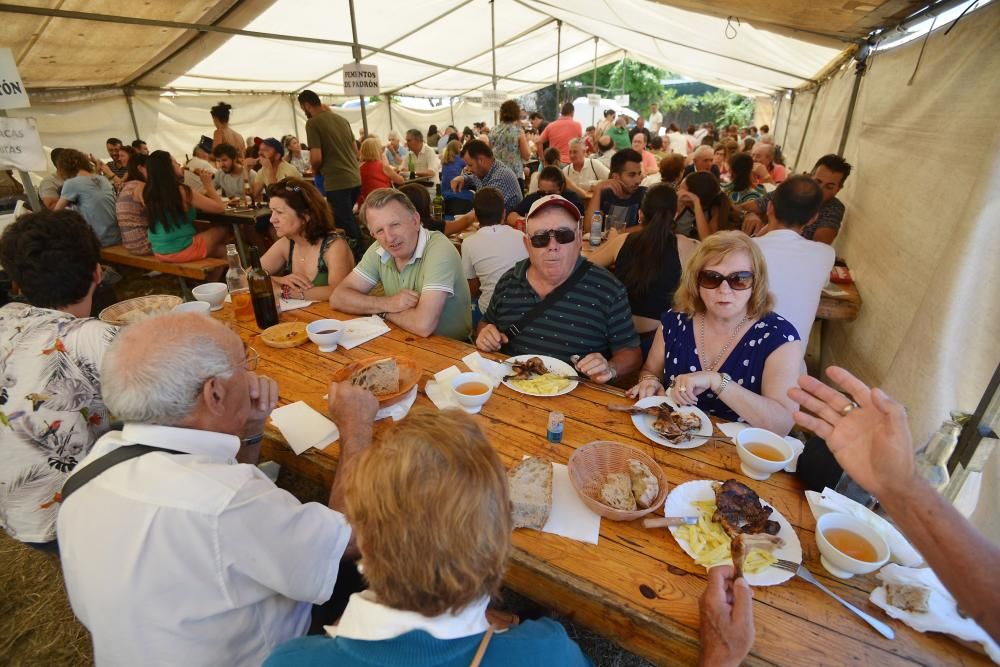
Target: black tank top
pixel 656 299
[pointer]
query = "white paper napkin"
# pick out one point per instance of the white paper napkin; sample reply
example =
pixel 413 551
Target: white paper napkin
pixel 303 427
pixel 398 410
pixel 569 516
pixel 831 501
pixel 491 369
pixel 361 330
pixel 733 429
pixel 285 305
pixel 439 389
pixel 942 614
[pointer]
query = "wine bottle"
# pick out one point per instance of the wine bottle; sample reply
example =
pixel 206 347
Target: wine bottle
pixel 437 206
pixel 265 308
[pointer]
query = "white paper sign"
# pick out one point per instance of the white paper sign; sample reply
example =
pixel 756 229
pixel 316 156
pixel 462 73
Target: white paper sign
pixel 360 79
pixel 20 145
pixel 492 99
pixel 622 100
pixel 13 94
pixel 594 99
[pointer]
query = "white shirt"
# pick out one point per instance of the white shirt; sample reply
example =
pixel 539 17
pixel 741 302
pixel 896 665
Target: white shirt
pixel 678 143
pixel 797 271
pixel 193 559
pixel 655 121
pixel 425 160
pixel 365 619
pixel 490 253
pixel 591 172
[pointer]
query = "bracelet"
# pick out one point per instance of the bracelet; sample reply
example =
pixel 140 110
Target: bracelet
pixel 614 373
pixel 726 379
pixel 650 376
pixel 252 440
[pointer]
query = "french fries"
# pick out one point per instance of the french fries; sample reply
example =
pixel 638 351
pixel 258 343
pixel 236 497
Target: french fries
pixel 543 385
pixel 711 545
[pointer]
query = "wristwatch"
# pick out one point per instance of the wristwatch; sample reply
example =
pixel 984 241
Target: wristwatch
pixel 252 440
pixel 726 379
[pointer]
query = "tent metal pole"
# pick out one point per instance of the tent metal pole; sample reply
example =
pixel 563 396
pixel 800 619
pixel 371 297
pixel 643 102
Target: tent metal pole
pixel 295 116
pixel 493 51
pixel 129 92
pixel 558 61
pixel 805 130
pixel 593 86
pixel 451 109
pixel 29 187
pixel 859 73
pixel 388 102
pixel 357 59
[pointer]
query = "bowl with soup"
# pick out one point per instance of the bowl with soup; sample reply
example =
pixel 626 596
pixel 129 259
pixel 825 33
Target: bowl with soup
pixel 325 333
pixel 762 453
pixel 849 546
pixel 471 391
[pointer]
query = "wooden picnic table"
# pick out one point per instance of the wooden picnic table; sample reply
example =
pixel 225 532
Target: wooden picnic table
pixel 635 587
pixel 237 217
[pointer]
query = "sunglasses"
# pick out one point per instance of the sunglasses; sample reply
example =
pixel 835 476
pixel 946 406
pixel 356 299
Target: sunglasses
pixel 563 235
pixel 740 280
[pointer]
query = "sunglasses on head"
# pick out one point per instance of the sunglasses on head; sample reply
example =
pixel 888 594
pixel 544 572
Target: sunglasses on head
pixel 563 235
pixel 739 280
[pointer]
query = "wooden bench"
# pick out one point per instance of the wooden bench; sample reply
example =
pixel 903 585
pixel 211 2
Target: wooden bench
pixel 198 270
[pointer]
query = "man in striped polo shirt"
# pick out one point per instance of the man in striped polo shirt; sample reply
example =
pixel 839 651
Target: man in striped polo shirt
pixel 590 319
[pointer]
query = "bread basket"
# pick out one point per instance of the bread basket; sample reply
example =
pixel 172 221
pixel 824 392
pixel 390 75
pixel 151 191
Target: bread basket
pixel 409 373
pixel 141 307
pixel 590 465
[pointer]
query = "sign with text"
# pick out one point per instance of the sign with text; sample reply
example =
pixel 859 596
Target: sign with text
pixel 594 99
pixel 492 99
pixel 13 94
pixel 361 80
pixel 622 100
pixel 20 145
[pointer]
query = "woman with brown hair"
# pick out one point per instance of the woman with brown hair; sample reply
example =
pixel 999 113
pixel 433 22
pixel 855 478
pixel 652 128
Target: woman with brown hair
pixel 131 216
pixel 92 195
pixel 317 256
pixel 508 141
pixel 703 207
pixel 430 510
pixel 722 347
pixel 223 133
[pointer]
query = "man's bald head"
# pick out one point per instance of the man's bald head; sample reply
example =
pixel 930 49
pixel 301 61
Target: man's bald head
pixel 155 370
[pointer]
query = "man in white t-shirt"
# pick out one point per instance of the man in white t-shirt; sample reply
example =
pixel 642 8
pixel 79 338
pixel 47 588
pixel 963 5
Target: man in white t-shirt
pixel 797 268
pixel 493 250
pixel 421 160
pixel 582 170
pixel 655 119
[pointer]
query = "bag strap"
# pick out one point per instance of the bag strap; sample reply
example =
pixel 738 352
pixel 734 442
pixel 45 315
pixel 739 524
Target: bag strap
pixel 481 651
pixel 515 329
pixel 109 460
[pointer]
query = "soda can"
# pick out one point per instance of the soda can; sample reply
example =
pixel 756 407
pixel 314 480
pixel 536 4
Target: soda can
pixel 554 432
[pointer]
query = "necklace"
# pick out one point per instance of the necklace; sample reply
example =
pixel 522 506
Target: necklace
pixel 701 344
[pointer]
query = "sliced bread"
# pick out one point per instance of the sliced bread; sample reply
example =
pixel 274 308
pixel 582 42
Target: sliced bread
pixel 380 378
pixel 530 492
pixel 645 486
pixel 908 597
pixel 617 492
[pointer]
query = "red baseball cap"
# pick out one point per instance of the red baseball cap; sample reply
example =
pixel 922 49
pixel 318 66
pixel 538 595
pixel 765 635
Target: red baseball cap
pixel 553 200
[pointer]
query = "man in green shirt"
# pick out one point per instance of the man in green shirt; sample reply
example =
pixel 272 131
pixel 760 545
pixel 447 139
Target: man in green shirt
pixel 420 271
pixel 334 155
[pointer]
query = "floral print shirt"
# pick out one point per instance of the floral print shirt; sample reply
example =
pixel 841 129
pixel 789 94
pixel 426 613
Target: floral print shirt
pixel 51 411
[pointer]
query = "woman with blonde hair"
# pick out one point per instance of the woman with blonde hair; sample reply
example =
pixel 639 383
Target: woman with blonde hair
pixel 430 510
pixel 722 347
pixel 375 170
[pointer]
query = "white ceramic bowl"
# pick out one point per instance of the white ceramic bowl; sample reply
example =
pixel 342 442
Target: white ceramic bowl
pixel 471 403
pixel 840 564
pixel 214 294
pixel 754 466
pixel 200 307
pixel 327 341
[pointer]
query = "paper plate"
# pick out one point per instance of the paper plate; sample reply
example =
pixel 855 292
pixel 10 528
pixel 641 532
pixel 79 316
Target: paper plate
pixel 644 423
pixel 680 503
pixel 553 365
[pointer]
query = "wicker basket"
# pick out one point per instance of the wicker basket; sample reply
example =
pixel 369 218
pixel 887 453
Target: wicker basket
pixel 590 465
pixel 154 304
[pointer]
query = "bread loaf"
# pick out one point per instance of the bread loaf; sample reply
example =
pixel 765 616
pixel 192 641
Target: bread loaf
pixel 530 492
pixel 380 378
pixel 617 492
pixel 908 597
pixel 645 486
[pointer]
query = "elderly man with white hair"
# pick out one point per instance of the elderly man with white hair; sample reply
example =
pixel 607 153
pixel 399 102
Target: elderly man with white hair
pixel 763 154
pixel 395 153
pixel 702 159
pixel 583 171
pixel 174 553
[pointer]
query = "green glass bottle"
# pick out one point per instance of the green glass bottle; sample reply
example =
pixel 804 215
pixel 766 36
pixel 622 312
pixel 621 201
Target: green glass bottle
pixel 265 308
pixel 437 206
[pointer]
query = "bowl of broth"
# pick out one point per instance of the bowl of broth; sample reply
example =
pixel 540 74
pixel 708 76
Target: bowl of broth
pixel 471 390
pixel 762 453
pixel 325 333
pixel 849 546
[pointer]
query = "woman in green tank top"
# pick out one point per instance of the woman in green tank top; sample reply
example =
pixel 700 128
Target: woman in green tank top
pixel 316 257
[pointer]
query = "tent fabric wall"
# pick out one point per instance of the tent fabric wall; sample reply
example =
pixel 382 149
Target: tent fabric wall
pixel 828 118
pixel 922 236
pixel 795 129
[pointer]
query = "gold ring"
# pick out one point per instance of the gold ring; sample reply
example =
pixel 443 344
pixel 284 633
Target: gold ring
pixel 847 408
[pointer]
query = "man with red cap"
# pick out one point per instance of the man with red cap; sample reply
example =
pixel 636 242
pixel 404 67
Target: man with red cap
pixel 558 304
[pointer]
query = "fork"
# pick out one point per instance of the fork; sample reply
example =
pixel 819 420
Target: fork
pixel 803 573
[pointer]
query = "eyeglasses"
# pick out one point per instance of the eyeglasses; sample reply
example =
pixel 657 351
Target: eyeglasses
pixel 740 280
pixel 563 235
pixel 250 359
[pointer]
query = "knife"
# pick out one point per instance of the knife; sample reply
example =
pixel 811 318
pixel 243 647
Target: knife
pixel 665 521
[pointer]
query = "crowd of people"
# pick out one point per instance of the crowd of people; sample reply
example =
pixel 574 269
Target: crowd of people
pixel 705 290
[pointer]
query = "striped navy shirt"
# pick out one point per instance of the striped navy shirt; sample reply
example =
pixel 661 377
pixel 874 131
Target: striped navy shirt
pixel 593 316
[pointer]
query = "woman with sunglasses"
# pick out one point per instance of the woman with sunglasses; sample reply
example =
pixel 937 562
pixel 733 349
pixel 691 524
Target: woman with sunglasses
pixel 317 256
pixel 721 347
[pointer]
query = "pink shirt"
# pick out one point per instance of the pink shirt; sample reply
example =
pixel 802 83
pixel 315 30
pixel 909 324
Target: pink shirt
pixel 559 133
pixel 649 163
pixel 778 173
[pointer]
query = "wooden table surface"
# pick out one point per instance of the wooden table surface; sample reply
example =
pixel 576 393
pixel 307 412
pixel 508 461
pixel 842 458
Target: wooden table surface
pixel 635 587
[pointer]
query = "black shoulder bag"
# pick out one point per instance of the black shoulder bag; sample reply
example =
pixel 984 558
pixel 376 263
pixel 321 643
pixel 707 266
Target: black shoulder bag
pixel 109 460
pixel 515 329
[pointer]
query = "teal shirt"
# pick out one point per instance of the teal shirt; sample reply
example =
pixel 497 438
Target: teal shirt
pixel 435 266
pixel 177 238
pixel 542 642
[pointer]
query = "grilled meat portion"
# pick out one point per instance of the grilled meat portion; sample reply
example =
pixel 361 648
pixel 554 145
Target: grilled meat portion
pixel 739 510
pixel 524 370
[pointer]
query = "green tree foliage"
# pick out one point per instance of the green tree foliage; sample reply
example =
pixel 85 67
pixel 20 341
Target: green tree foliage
pixel 726 108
